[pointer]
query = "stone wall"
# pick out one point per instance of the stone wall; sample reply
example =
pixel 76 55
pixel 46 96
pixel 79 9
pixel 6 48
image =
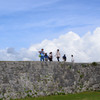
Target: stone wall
pixel 22 79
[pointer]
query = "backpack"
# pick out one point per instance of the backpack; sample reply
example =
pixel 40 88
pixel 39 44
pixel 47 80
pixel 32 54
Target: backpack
pixel 39 55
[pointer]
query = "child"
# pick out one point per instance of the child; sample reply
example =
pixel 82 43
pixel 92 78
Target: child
pixel 64 57
pixel 46 57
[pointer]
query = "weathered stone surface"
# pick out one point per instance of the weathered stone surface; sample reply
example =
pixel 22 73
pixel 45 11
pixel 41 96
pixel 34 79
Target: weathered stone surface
pixel 19 79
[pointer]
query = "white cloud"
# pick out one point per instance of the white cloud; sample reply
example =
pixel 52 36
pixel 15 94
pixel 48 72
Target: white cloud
pixel 84 49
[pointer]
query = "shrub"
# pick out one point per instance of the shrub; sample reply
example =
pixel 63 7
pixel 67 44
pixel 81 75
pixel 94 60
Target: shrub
pixel 94 64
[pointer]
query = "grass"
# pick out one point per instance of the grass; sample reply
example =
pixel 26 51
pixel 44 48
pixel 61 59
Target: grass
pixel 78 96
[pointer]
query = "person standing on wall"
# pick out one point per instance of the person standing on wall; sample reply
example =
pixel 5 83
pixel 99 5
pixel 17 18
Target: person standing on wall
pixel 42 55
pixel 72 59
pixel 46 57
pixel 64 57
pixel 50 56
pixel 58 55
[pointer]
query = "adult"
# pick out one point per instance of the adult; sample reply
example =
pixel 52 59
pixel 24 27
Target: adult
pixel 50 56
pixel 58 55
pixel 42 55
pixel 72 58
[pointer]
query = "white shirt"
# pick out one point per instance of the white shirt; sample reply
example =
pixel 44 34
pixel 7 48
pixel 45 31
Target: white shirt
pixel 58 54
pixel 72 59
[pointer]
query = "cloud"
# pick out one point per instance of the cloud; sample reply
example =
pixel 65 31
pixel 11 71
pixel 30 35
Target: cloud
pixel 84 49
pixel 11 51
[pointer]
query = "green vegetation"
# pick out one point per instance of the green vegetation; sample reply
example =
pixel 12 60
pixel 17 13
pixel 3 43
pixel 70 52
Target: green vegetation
pixel 81 76
pixel 78 71
pixel 69 66
pixel 79 96
pixel 94 64
pixel 83 65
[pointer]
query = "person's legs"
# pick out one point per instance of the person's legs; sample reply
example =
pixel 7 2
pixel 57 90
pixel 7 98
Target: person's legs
pixel 64 59
pixel 50 59
pixel 46 59
pixel 41 58
pixel 58 58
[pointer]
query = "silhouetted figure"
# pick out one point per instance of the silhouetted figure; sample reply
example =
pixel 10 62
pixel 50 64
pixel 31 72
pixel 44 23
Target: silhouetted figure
pixel 50 56
pixel 64 57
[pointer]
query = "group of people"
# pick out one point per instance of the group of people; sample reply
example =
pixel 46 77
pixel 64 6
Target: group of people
pixel 45 57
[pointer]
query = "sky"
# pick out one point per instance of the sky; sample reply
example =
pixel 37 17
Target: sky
pixel 26 26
